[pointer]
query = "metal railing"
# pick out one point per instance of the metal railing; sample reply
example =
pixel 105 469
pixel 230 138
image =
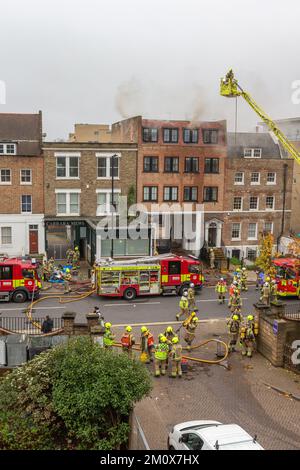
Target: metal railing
pixel 292 311
pixel 23 325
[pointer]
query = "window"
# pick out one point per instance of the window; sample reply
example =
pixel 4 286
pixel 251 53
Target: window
pixel 192 441
pixel 210 136
pixel 253 205
pixel 268 227
pixel 8 149
pixel 5 176
pixel 174 267
pixel 170 135
pixel 25 176
pixel 150 134
pixel 191 165
pixel 170 193
pixel 190 136
pixel 150 164
pixel 190 193
pixel 6 273
pixel 252 231
pixel 150 193
pixel 271 177
pixel 171 164
pixel 211 165
pixel 270 202
pixel 67 202
pixel 251 254
pixel 237 203
pixel 26 203
pixel 6 235
pixel 239 178
pixel 104 166
pixel 105 202
pixel 210 194
pixel 255 178
pixel 236 231
pixel 67 166
pixel 252 153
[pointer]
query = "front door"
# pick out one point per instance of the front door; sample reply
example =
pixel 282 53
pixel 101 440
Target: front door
pixel 212 236
pixel 33 239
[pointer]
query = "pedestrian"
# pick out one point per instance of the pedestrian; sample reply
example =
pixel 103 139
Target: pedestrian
pixel 233 328
pixel 191 296
pixel 128 341
pixel 161 351
pixel 67 277
pixel 147 345
pixel 176 358
pixel 190 330
pixel 108 337
pixel 47 325
pixel 221 289
pixel 184 306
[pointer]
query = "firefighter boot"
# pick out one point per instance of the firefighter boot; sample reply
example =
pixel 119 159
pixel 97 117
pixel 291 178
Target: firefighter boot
pixel 157 368
pixel 163 367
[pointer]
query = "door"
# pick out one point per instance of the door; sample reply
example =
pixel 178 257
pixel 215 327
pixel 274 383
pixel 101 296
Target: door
pixel 212 235
pixel 33 239
pixel 236 254
pixel 174 272
pixel 6 278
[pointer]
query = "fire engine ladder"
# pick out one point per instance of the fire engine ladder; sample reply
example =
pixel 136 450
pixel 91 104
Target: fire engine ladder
pixel 138 261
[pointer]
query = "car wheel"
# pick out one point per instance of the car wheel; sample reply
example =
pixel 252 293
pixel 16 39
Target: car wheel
pixel 19 296
pixel 129 294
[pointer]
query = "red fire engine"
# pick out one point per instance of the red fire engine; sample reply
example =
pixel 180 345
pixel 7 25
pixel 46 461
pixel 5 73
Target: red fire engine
pixel 288 276
pixel 148 276
pixel 19 280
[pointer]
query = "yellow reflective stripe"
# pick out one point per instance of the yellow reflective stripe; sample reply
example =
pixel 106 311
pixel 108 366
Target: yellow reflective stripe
pixel 164 278
pixel 185 277
pixel 129 268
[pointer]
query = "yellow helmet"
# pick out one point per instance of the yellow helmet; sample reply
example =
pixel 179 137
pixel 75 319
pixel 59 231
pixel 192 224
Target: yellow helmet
pixel 235 317
pixel 268 278
pixel 169 329
pixel 76 248
pixel 175 339
pixel 107 325
pixel 250 317
pixel 163 339
pixel 195 319
pixel 144 329
pixel 193 314
pixel 238 270
pixel 128 328
pixel 68 270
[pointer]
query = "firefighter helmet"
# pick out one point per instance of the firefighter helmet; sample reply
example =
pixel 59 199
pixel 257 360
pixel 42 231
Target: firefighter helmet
pixel 169 329
pixel 235 318
pixel 144 329
pixel 195 319
pixel 175 339
pixel 185 293
pixel 250 317
pixel 107 325
pixel 129 329
pixel 163 339
pixel 192 284
pixel 244 269
pixel 222 279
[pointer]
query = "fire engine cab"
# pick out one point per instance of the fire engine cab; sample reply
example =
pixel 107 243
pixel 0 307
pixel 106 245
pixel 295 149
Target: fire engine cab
pixel 288 276
pixel 19 280
pixel 147 276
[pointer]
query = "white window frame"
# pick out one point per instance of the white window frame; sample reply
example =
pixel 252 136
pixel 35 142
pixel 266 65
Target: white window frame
pixel 240 231
pixel 5 144
pixel 255 237
pixel 273 207
pixel 275 177
pixel 26 182
pixel 233 208
pixel 253 183
pixel 68 192
pixel 243 178
pixel 6 183
pixel 67 156
pixel 252 249
pixel 11 236
pixel 108 157
pixel 272 226
pixel 257 205
pixel 251 151
pixel 25 212
pixel 107 192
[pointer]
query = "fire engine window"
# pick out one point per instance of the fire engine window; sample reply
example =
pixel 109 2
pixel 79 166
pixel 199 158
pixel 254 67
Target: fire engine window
pixel 290 274
pixel 174 267
pixel 194 268
pixel 5 273
pixel 27 274
pixel 129 277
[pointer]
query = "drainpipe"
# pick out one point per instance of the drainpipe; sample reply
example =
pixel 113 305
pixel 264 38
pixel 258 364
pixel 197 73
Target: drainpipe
pixel 285 168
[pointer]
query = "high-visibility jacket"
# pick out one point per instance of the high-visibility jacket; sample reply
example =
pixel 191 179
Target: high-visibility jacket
pixel 161 351
pixel 108 337
pixel 176 352
pixel 231 290
pixel 67 277
pixel 127 340
pixel 184 303
pixel 221 288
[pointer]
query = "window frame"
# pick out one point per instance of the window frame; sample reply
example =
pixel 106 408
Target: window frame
pixel 270 183
pixel 255 183
pixel 11 236
pixel 257 203
pixel 5 145
pixel 108 201
pixel 172 159
pixel 150 193
pixel 192 160
pixel 273 205
pixel 252 152
pixel 24 183
pixel 170 198
pixel 209 141
pixel 191 140
pixel 211 188
pixel 108 157
pixel 211 160
pixel 6 183
pixel 68 193
pixel 272 227
pixel 151 160
pixel 150 139
pixel 255 236
pixel 190 188
pixel 25 203
pixel 240 231
pixel 67 157
pixel 170 130
pixel 239 183
pixel 241 200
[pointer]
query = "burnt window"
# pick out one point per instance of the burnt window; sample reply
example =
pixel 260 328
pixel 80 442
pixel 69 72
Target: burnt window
pixel 150 164
pixel 210 136
pixel 211 165
pixel 150 134
pixel 170 135
pixel 190 136
pixel 191 165
pixel 171 164
pixel 210 194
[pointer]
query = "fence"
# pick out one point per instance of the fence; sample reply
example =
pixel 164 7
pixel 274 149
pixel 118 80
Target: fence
pixel 292 311
pixel 23 325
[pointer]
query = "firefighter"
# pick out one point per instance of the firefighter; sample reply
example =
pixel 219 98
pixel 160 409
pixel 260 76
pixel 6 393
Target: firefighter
pixel 244 279
pixel 127 341
pixel 265 294
pixel 147 345
pixel 76 258
pixel 221 289
pixel 67 277
pixel 108 337
pixel 247 341
pixel 70 255
pixel 161 351
pixel 274 291
pixel 253 324
pixel 236 301
pixel 176 358
pixel 190 330
pixel 233 328
pixel 100 316
pixel 184 306
pixel 169 334
pixel 212 258
pixel 45 271
pixel 51 264
pixel 237 311
pixel 191 296
pixel 231 292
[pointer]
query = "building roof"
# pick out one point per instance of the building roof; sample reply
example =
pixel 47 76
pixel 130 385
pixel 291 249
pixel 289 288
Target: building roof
pixel 237 142
pixel 23 129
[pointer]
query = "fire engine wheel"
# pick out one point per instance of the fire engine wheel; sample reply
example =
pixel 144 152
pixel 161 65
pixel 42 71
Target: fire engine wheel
pixel 129 294
pixel 19 296
pixel 182 289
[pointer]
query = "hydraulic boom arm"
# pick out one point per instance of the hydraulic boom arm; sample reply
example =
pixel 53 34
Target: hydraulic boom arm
pixel 231 89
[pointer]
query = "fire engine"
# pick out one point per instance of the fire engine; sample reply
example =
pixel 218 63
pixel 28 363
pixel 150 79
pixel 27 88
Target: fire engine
pixel 19 280
pixel 288 276
pixel 147 276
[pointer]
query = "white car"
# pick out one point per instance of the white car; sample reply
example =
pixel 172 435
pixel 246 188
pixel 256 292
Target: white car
pixel 210 435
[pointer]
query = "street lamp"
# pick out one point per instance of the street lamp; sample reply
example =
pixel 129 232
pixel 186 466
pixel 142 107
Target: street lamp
pixel 112 201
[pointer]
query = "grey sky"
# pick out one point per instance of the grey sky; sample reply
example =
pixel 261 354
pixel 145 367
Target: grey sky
pixel 90 61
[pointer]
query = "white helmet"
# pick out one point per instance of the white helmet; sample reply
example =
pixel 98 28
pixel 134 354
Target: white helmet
pixel 266 284
pixel 192 285
pixel 244 269
pixel 221 278
pixel 185 294
pixel 235 283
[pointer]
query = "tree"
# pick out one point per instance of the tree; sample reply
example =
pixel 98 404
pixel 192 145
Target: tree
pixel 74 396
pixel 264 260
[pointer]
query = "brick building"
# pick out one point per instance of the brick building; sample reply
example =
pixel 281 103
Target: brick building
pixel 178 162
pixel 258 193
pixel 21 184
pixel 78 189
